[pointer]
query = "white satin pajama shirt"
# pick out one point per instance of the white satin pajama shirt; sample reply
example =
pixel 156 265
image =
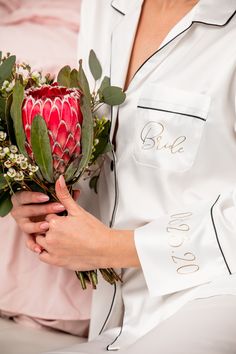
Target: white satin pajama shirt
pixel 172 177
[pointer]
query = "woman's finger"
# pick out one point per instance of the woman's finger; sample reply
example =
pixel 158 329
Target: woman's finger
pixel 29 198
pixel 41 241
pixel 27 211
pixel 46 258
pixel 32 245
pixel 51 217
pixel 34 227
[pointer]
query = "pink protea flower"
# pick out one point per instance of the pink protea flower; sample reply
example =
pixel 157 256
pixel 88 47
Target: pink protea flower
pixel 60 108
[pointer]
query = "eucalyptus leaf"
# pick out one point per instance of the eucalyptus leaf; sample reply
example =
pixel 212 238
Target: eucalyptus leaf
pixel 3 182
pixel 6 68
pixel 74 82
pixel 41 148
pixel 106 82
pixel 95 66
pixel 87 135
pixel 16 114
pixel 113 96
pixel 5 204
pixel 63 77
pixel 83 82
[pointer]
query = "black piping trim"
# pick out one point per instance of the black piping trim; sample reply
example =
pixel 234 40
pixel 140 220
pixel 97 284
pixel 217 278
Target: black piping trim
pixel 120 12
pixel 116 191
pixel 217 238
pixel 165 110
pixel 107 348
pixel 158 50
pixel 179 34
pixel 114 164
pixel 216 24
pixel 109 312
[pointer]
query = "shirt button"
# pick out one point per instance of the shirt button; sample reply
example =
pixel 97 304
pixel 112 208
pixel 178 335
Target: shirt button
pixel 112 166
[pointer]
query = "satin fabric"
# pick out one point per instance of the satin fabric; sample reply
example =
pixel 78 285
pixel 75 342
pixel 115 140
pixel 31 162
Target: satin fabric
pixel 172 176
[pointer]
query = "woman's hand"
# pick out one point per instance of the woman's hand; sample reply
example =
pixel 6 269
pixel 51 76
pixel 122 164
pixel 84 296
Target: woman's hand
pixel 29 211
pixel 79 241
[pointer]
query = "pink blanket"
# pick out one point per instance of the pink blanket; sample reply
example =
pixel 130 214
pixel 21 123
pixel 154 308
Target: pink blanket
pixel 43 33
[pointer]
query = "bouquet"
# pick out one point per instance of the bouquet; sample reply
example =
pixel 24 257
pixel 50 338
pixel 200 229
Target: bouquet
pixel 50 128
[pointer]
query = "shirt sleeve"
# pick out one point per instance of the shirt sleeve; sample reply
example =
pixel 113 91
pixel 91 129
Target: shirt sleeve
pixel 189 247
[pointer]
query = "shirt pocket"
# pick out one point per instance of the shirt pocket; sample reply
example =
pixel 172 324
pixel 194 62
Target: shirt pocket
pixel 168 127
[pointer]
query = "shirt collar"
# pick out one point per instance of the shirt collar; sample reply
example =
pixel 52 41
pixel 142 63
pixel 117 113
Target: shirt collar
pixel 213 12
pixel 125 6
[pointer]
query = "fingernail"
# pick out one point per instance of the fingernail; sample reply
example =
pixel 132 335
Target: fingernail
pixel 62 181
pixel 58 207
pixel 37 250
pixel 44 226
pixel 43 198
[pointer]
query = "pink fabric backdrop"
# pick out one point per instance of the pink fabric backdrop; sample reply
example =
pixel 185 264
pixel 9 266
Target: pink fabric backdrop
pixel 43 33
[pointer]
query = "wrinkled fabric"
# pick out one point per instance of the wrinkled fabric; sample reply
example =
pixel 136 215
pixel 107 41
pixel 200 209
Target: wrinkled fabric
pixel 172 176
pixel 6 7
pixel 33 288
pixel 43 32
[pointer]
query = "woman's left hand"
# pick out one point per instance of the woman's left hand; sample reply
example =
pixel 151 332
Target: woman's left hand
pixel 79 241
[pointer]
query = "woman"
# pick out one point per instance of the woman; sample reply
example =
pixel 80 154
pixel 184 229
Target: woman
pixel 169 204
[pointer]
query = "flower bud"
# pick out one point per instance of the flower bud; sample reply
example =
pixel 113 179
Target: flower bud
pixel 11 172
pixel 3 136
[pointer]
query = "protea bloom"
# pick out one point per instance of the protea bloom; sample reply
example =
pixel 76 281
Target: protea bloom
pixel 60 108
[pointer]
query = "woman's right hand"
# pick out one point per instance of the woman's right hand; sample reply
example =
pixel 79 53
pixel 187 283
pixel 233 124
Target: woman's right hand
pixel 29 211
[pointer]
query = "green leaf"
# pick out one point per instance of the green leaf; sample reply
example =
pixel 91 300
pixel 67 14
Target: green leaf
pixel 9 121
pixel 6 68
pixel 0 55
pixel 16 114
pixel 74 82
pixel 5 105
pixel 5 204
pixel 113 96
pixel 41 148
pixel 87 135
pixel 63 77
pixel 6 123
pixel 83 82
pixel 106 82
pixel 93 183
pixel 34 187
pixel 2 107
pixel 72 169
pixel 3 182
pixel 95 66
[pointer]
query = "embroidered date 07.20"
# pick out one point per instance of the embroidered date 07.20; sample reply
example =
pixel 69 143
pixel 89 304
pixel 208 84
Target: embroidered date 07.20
pixel 178 231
